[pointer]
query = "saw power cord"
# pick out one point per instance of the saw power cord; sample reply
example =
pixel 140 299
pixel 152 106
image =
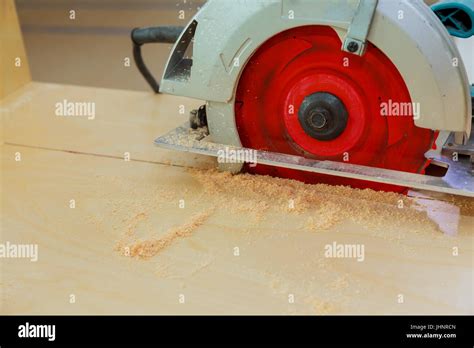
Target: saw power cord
pixel 142 36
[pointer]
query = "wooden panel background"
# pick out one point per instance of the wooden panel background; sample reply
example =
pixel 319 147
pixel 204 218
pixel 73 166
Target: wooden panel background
pixel 14 68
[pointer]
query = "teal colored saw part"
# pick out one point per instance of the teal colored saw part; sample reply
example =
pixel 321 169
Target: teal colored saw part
pixel 457 16
pixel 472 99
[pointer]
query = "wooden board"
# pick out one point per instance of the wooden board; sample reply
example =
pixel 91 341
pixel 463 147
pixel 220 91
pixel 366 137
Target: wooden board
pixel 234 247
pixel 124 122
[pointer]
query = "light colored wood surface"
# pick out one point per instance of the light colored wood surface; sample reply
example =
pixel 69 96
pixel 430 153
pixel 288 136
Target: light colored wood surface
pixel 124 121
pixel 14 68
pixel 280 254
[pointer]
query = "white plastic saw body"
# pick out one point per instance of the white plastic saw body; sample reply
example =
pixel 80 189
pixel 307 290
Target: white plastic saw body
pixel 369 83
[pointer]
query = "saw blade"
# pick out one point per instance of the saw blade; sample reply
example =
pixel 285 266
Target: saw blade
pixel 296 96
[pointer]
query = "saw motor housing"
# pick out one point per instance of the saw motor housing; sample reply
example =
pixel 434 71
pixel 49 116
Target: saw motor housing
pixel 305 85
pixel 224 35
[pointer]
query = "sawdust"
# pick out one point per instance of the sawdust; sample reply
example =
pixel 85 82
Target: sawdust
pixel 162 271
pixel 253 199
pixel 325 206
pixel 253 208
pixel 324 218
pixel 134 222
pixel 282 191
pixel 298 197
pixel 189 137
pixel 322 307
pixel 341 282
pixel 146 249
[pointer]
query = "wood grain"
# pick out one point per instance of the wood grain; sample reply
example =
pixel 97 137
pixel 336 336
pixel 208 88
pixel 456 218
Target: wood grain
pixel 64 159
pixel 124 121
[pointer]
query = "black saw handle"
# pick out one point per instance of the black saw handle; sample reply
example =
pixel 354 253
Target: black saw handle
pixel 142 36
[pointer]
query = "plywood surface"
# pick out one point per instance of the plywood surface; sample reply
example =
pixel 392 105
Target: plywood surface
pixel 124 122
pixel 151 236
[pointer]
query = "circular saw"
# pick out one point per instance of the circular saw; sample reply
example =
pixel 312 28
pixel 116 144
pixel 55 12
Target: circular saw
pixel 363 93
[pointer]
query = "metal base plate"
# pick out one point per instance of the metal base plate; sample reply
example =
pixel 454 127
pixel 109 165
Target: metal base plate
pixel 459 179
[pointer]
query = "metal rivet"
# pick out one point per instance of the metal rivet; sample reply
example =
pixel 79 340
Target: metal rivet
pixel 353 47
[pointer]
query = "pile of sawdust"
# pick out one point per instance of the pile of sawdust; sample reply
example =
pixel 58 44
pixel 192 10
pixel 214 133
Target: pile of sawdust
pixel 256 198
pixel 254 209
pixel 282 190
pixel 327 205
pixel 145 249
